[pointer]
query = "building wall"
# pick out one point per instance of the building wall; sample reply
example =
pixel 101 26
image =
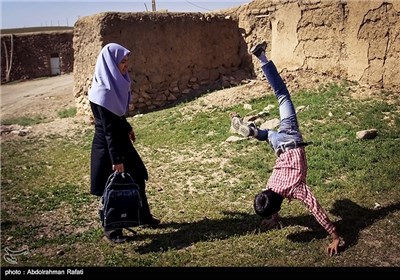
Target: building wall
pixel 173 55
pixel 350 39
pixel 32 52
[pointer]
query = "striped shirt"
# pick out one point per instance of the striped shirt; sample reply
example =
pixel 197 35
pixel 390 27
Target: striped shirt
pixel 289 180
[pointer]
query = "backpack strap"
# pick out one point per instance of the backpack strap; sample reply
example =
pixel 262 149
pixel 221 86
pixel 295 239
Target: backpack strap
pixel 131 230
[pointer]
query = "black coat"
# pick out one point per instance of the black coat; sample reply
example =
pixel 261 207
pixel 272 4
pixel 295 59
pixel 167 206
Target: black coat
pixel 112 145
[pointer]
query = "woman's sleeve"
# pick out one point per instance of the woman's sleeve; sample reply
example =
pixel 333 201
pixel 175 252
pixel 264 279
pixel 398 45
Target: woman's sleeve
pixel 127 125
pixel 114 131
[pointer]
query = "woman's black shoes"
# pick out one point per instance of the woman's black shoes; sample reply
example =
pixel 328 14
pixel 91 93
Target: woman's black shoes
pixel 115 236
pixel 150 222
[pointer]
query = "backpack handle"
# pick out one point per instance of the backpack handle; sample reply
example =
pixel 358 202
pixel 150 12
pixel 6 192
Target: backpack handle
pixel 123 174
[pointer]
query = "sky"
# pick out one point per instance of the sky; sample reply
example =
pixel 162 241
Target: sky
pixel 36 13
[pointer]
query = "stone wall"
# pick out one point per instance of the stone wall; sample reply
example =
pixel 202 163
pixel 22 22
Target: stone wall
pixel 32 54
pixel 173 55
pixel 352 40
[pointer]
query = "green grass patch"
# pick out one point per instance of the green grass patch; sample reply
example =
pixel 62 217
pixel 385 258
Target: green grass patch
pixel 25 121
pixel 67 113
pixel 203 187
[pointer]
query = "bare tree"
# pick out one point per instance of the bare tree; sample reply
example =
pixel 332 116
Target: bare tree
pixel 8 59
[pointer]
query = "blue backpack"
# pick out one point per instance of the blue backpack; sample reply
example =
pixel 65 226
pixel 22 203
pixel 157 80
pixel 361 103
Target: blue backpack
pixel 120 203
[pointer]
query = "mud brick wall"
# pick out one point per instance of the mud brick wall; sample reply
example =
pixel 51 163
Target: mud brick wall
pixel 173 55
pixel 32 53
pixel 350 39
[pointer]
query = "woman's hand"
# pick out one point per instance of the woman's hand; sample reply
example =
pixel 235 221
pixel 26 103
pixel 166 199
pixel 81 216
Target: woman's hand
pixel 118 167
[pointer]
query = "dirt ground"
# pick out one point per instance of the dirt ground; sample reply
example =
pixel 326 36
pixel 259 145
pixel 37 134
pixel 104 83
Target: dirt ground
pixel 43 97
pixel 46 96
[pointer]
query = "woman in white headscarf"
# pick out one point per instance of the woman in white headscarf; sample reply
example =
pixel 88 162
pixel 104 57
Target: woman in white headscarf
pixel 112 148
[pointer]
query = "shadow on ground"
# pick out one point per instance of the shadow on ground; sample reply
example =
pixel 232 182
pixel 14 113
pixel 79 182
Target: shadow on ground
pixel 353 219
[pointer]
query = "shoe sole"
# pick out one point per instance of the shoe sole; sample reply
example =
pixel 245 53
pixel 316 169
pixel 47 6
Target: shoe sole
pixel 236 123
pixel 240 127
pixel 244 130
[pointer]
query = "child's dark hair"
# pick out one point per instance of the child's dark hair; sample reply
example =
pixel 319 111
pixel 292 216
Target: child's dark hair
pixel 267 203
